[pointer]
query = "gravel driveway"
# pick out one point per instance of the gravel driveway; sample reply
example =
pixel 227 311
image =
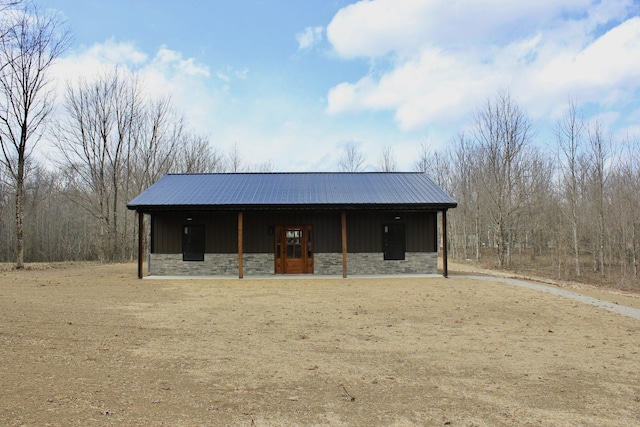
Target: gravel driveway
pixel 620 309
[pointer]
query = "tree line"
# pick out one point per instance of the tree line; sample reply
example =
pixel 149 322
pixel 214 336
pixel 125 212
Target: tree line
pixel 570 204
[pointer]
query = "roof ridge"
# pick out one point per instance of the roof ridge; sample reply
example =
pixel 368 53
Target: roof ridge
pixel 300 173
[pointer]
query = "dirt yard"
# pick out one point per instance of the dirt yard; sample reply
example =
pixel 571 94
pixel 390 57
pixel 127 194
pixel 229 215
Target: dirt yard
pixel 92 345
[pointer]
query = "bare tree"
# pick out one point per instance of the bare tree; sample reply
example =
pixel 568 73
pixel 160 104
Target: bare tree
pixel 466 220
pixel 97 139
pixel 434 163
pixel 159 138
pixel 197 155
pixel 115 142
pixel 597 173
pixel 28 49
pixel 7 19
pixel 503 132
pixel 387 160
pixel 235 160
pixel 265 166
pixel 628 203
pixel 6 214
pixel 623 212
pixel 569 134
pixel 424 160
pixel 351 159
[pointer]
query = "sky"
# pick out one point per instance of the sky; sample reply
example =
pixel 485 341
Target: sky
pixel 292 82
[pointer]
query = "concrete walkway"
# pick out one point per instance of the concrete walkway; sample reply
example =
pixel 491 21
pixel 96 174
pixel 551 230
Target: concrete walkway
pixel 297 276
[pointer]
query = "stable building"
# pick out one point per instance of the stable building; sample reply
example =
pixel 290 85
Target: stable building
pixel 237 224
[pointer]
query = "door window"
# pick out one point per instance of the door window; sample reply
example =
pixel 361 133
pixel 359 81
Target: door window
pixel 294 243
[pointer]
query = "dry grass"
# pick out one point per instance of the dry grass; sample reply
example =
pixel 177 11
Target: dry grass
pixel 91 345
pixel 547 266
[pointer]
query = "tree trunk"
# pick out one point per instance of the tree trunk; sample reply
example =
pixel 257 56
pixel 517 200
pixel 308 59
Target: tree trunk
pixel 20 215
pixel 477 231
pixel 576 249
pixel 632 250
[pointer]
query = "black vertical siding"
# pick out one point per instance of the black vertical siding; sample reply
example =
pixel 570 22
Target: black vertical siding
pixel 364 230
pixel 258 229
pixel 220 228
pixel 422 234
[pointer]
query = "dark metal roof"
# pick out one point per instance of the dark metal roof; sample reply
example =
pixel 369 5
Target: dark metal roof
pixel 283 190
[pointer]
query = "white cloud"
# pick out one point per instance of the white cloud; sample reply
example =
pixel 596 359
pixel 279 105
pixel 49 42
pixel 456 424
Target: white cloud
pixel 441 58
pixel 113 52
pixel 433 86
pixel 378 27
pixel 90 62
pixel 167 55
pixel 162 74
pixel 310 37
pixel 94 60
pixel 173 59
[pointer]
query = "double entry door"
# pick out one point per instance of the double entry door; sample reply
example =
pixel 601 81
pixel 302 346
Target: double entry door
pixel 293 249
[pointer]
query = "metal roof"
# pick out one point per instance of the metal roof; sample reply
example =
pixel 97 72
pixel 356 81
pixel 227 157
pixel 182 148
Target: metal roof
pixel 295 190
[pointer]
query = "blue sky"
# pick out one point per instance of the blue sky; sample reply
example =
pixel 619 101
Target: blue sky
pixel 293 81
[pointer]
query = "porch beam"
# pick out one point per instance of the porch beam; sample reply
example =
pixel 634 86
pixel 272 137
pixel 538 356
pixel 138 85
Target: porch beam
pixel 140 243
pixel 445 268
pixel 344 244
pixel 240 266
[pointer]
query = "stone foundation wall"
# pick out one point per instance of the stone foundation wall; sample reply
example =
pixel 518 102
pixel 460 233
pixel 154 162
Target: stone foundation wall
pixel 213 265
pixel 257 264
pixel 374 263
pixel 327 264
pixel 261 264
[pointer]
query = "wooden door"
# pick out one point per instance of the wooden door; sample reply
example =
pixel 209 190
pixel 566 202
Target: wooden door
pixel 293 250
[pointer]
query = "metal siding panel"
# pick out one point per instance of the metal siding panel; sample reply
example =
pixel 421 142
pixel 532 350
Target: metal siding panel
pixel 327 229
pixel 223 234
pixel 166 234
pixel 256 232
pixel 420 231
pixel 364 231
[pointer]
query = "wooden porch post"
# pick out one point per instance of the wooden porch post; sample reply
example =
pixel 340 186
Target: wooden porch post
pixel 140 243
pixel 344 244
pixel 240 266
pixel 445 268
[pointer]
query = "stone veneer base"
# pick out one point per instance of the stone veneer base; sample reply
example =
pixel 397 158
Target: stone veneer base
pixel 263 264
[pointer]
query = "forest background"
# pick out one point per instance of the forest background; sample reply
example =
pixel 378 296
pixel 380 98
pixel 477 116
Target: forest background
pixel 566 208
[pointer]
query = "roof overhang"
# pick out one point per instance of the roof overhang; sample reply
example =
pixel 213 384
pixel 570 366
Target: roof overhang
pixel 295 207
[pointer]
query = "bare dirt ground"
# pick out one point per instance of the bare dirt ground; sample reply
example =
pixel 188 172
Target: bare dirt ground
pixel 90 344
